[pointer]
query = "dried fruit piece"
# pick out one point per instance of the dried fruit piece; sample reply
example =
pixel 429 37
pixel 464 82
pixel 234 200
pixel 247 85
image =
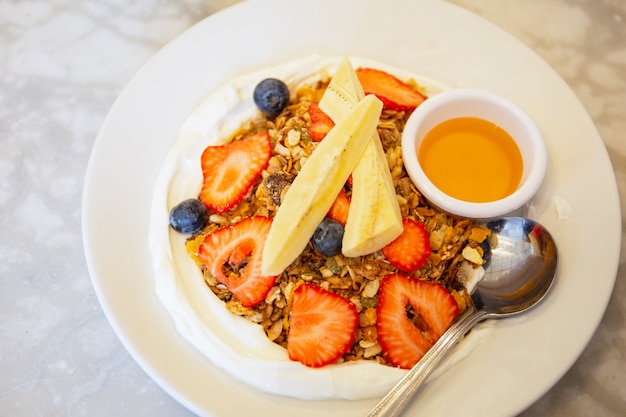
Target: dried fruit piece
pixel 395 94
pixel 473 255
pixel 411 316
pixel 322 326
pixel 409 251
pixel 233 256
pixel 230 170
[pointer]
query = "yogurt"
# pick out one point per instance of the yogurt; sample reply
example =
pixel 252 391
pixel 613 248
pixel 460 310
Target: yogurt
pixel 230 342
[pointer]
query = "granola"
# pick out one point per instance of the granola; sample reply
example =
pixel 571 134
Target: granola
pixel 457 243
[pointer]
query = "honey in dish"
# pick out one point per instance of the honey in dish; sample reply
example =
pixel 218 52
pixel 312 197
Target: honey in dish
pixel 471 159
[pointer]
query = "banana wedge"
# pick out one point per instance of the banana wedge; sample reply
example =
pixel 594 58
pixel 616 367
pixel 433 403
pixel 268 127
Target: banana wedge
pixel 374 218
pixel 319 181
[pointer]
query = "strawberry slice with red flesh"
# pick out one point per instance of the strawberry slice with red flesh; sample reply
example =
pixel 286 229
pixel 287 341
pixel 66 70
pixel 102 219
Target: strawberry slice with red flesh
pixel 322 326
pixel 321 123
pixel 411 316
pixel 409 251
pixel 340 208
pixel 395 94
pixel 230 170
pixel 233 255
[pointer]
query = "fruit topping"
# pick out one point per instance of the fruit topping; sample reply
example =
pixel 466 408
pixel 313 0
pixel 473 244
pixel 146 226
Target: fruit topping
pixel 318 183
pixel 230 170
pixel 374 213
pixel 395 94
pixel 409 251
pixel 271 96
pixel 322 326
pixel 411 316
pixel 189 216
pixel 340 208
pixel 321 123
pixel 233 256
pixel 336 194
pixel 327 237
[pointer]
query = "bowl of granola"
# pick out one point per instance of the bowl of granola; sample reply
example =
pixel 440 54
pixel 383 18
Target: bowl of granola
pixel 474 153
pixel 257 198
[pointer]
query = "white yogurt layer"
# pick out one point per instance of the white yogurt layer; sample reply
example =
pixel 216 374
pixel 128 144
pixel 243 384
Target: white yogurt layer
pixel 230 342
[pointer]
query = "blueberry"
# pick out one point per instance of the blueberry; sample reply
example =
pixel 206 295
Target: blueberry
pixel 327 237
pixel 189 216
pixel 271 96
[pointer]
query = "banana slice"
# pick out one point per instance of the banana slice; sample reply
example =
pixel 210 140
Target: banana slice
pixel 319 181
pixel 374 219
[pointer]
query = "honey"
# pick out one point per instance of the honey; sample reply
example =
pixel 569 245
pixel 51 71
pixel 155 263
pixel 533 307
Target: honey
pixel 471 159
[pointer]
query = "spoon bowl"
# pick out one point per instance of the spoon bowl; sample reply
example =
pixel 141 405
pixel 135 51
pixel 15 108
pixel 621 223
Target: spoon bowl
pixel 521 261
pixel 519 270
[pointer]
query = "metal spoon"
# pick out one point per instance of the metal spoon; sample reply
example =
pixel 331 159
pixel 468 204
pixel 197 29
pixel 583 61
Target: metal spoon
pixel 518 273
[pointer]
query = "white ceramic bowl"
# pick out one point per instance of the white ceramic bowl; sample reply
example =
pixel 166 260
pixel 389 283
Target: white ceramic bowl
pixel 491 107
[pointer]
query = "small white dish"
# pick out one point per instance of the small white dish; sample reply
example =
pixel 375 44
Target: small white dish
pixel 493 108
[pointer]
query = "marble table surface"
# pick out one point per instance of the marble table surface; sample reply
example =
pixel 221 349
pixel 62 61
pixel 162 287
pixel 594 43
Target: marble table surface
pixel 62 64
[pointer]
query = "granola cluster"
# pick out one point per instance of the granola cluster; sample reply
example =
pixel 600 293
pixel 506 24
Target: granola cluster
pixel 456 243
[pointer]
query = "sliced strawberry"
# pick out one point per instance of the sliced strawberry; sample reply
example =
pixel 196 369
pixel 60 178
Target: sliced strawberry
pixel 410 317
pixel 339 210
pixel 395 94
pixel 409 251
pixel 322 326
pixel 230 170
pixel 233 256
pixel 321 123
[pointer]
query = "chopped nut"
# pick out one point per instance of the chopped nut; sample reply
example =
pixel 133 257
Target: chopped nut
pixel 293 137
pixel 472 255
pixel 357 303
pixel 272 295
pixel 275 330
pixel 437 236
pixel 371 288
pixel 372 351
pixel 218 219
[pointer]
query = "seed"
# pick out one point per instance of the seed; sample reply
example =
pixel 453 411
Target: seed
pixel 281 150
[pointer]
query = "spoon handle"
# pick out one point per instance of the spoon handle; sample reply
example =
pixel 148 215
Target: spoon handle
pixel 396 399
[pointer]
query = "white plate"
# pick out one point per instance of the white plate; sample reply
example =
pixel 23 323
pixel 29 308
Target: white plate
pixel 521 359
